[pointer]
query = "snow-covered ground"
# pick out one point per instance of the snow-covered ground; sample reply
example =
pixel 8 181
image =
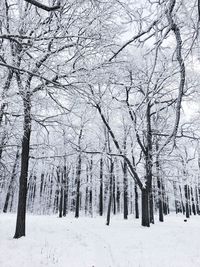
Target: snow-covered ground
pixel 88 242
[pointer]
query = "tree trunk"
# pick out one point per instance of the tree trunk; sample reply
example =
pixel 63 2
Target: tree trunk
pixel 125 183
pixel 136 203
pixel 182 204
pixel 10 187
pixel 110 192
pixel 101 189
pixel 193 205
pixel 197 201
pixel 187 201
pixel 160 200
pixel 91 190
pixel 21 210
pixel 114 196
pixel 145 208
pixel 66 191
pixel 61 202
pixel 78 175
pixel 151 206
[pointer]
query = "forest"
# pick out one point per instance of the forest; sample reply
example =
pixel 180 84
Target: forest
pixel 99 115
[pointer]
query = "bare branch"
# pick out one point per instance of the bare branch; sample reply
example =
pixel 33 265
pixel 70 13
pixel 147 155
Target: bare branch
pixel 42 6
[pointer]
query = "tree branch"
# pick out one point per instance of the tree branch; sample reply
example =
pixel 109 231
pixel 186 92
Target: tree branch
pixel 42 6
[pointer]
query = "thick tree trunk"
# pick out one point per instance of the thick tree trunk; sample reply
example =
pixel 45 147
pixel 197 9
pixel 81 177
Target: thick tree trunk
pixel 21 210
pixel 145 208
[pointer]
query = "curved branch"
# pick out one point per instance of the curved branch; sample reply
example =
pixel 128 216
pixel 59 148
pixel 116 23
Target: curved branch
pixel 42 6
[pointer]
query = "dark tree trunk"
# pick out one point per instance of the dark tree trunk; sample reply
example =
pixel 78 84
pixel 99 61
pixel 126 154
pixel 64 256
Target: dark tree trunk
pixel 110 192
pixel 148 161
pixel 66 191
pixel 41 184
pixel 10 187
pixel 21 210
pixel 11 200
pixel 61 203
pixel 50 193
pixel 91 190
pixel 78 176
pixel 151 206
pixel 145 208
pixel 136 203
pixel 125 183
pixel 101 189
pixel 160 200
pixel 114 196
pixel 159 185
pixel 182 204
pixel 193 205
pixel 175 198
pixel 197 201
pixel 86 191
pixel 118 197
pixel 187 201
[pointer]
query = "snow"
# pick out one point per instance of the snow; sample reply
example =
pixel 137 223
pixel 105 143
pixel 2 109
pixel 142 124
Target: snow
pixel 88 242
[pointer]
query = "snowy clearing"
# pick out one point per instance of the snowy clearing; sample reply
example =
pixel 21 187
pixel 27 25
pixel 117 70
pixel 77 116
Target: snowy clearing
pixel 88 242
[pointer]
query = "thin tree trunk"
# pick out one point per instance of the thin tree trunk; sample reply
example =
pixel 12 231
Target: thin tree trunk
pixel 91 190
pixel 66 191
pixel 193 205
pixel 110 192
pixel 197 200
pixel 114 196
pixel 78 174
pixel 10 187
pixel 182 204
pixel 187 201
pixel 101 189
pixel 125 191
pixel 136 202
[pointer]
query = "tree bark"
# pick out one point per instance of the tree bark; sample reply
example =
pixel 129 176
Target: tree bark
pixel 145 208
pixel 21 210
